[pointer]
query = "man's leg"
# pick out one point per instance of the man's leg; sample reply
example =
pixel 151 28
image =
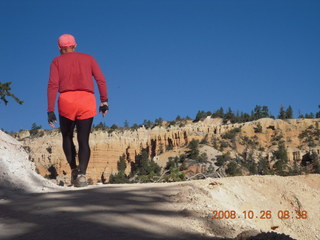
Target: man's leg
pixel 67 127
pixel 83 132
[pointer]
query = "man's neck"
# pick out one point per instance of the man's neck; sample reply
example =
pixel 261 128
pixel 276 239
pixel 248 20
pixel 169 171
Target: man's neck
pixel 67 50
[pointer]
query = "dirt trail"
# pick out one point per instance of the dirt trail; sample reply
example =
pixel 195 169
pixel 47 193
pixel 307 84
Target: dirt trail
pixel 163 211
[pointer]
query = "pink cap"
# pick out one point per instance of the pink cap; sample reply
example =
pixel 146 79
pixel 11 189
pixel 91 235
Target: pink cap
pixel 66 40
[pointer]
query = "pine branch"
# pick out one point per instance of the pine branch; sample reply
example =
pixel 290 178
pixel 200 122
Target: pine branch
pixel 5 92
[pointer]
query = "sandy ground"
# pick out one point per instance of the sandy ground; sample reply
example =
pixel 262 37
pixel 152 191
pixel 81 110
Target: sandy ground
pixel 164 210
pixel 32 207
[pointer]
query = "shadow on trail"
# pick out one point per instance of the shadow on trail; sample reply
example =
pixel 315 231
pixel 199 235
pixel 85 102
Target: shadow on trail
pixel 109 212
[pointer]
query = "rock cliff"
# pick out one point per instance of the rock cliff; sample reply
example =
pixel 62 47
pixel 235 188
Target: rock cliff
pixel 300 136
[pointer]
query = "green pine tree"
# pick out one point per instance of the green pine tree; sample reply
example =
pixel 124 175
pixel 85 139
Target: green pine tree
pixel 282 113
pixel 289 113
pixel 5 91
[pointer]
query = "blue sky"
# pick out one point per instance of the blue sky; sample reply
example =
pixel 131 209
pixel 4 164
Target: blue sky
pixel 167 57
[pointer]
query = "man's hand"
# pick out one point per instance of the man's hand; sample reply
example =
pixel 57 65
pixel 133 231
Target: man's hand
pixel 52 119
pixel 104 108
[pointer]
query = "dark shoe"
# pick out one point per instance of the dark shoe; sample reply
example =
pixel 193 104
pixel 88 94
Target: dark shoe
pixel 81 181
pixel 74 175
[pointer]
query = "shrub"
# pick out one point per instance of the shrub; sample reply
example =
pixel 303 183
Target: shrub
pixel 202 158
pixel 49 149
pixel 27 149
pixel 205 140
pixel 221 159
pixel 160 148
pixel 296 169
pixel 263 167
pixel 215 143
pixel 316 166
pixel 182 158
pixel 169 147
pixel 35 129
pixel 231 134
pixel 303 134
pixel 100 126
pixel 118 178
pixel 175 175
pixel 251 165
pixel 276 138
pixel 172 163
pixel 233 169
pixel 223 145
pixel 258 129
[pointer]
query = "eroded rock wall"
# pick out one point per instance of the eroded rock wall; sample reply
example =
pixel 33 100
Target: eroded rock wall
pixel 106 148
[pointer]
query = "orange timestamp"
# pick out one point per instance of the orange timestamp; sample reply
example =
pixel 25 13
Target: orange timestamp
pixel 263 214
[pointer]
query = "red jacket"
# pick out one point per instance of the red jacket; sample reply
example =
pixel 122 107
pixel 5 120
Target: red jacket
pixel 73 72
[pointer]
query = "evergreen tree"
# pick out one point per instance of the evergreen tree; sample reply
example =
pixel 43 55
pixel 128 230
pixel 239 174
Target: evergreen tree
pixel 281 158
pixel 114 127
pixel 158 121
pixel 172 163
pixel 281 153
pixel 316 163
pixel 141 163
pixel 122 165
pixel 263 167
pixel 219 113
pixel 252 167
pixel 309 116
pixel 296 169
pixel 35 129
pixel 208 113
pixel 289 113
pixel 200 116
pixel 265 112
pixel 5 91
pixel 120 177
pixel 135 126
pixel 244 117
pixel 143 166
pixel 100 126
pixel 126 124
pixel 160 148
pixel 318 113
pixel 222 159
pixel 257 112
pixel 233 169
pixel 147 123
pixel 282 113
pixel 194 149
pixel 229 116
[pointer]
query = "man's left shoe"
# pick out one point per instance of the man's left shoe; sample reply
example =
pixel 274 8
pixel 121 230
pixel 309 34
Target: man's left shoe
pixel 81 181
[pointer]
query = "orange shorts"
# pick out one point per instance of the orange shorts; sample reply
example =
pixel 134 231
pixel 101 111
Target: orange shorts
pixel 77 105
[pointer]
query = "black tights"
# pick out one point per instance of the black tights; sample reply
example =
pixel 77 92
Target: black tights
pixel 83 131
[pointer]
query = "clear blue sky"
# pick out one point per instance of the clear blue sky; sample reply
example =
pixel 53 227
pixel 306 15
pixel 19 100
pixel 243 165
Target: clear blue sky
pixel 166 57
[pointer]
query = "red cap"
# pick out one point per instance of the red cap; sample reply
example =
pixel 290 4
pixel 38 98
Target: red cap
pixel 66 40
